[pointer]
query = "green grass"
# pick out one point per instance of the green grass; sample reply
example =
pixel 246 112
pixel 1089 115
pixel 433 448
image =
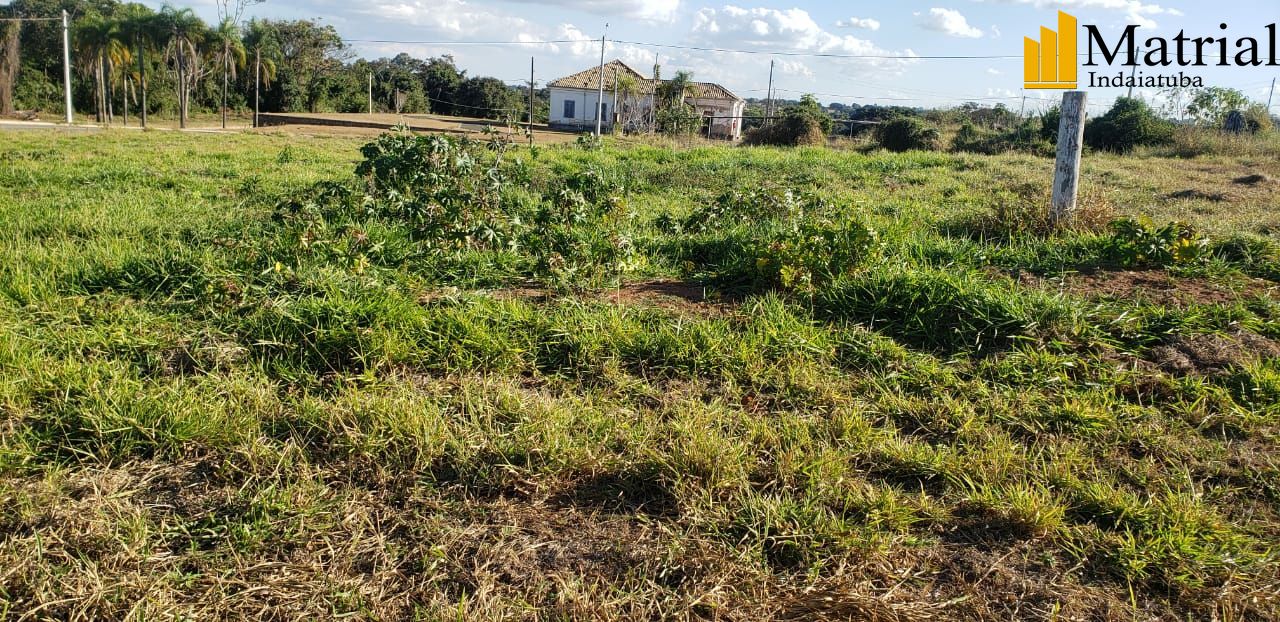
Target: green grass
pixel 226 390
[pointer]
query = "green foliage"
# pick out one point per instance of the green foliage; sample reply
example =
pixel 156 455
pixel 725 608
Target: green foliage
pixel 1130 123
pixel 794 129
pixel 813 254
pixel 1210 106
pixel 186 370
pixel 1049 122
pixel 907 134
pixel 1138 242
pixel 1257 119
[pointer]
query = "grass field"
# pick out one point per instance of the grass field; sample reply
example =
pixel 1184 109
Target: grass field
pixel 239 380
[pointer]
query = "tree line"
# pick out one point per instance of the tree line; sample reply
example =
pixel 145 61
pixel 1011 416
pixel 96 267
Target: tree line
pixel 130 59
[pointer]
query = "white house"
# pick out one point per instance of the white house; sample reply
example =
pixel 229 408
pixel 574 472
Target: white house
pixel 574 102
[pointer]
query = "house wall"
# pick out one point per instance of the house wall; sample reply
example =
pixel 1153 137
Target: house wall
pixel 722 128
pixel 585 107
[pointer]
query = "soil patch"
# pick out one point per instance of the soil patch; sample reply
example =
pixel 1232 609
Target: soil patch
pixel 680 297
pixel 1212 353
pixel 1154 286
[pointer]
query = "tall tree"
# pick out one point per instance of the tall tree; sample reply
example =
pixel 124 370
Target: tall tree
pixel 140 29
pixel 441 79
pixel 101 53
pixel 186 33
pixel 9 63
pixel 230 56
pixel 228 31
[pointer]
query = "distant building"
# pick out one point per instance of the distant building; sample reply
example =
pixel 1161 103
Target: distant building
pixel 574 102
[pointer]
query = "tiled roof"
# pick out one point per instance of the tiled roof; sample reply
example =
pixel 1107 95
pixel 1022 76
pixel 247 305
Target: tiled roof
pixel 710 90
pixel 590 79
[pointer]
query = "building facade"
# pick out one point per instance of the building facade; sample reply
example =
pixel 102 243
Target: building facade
pixel 576 102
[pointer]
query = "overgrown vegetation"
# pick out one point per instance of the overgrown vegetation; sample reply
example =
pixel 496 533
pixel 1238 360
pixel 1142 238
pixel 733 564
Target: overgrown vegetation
pixel 431 378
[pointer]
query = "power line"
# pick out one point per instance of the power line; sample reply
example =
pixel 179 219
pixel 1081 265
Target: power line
pixel 538 42
pixel 816 54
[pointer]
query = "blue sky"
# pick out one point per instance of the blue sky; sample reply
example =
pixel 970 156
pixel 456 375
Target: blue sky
pixel 896 30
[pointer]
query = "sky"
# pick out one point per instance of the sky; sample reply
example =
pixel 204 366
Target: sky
pixel 890 38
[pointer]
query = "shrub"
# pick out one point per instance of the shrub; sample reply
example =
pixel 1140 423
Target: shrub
pixel 792 130
pixel 907 134
pixel 1049 122
pixel 813 254
pixel 754 206
pixel 1256 119
pixel 1130 123
pixel 1139 242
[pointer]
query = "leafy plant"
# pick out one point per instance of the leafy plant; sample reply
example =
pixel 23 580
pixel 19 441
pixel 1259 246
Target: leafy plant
pixel 1139 242
pixel 813 254
pixel 907 134
pixel 1130 123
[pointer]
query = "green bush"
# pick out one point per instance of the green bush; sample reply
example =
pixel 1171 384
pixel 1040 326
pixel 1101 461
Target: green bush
pixel 794 129
pixel 1256 119
pixel 1130 123
pixel 814 254
pixel 1139 242
pixel 1049 122
pixel 907 134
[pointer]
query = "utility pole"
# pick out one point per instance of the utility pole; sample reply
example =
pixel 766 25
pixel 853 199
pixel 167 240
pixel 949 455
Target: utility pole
pixel 600 89
pixel 530 101
pixel 768 105
pixel 370 92
pixel 1132 73
pixel 653 97
pixel 1023 113
pixel 66 65
pixel 1271 95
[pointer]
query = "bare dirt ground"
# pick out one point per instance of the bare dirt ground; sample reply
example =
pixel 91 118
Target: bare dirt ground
pixel 1154 286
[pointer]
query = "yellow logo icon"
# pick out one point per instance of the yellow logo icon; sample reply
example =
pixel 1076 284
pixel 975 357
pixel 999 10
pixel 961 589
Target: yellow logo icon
pixel 1051 63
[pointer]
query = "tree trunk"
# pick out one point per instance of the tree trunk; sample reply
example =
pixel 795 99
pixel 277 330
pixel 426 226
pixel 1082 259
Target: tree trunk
pixel 182 87
pixel 257 83
pixel 226 49
pixel 111 98
pixel 101 92
pixel 126 101
pixel 142 78
pixel 9 64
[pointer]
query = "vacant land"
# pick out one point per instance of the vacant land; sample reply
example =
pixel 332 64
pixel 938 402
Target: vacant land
pixel 239 379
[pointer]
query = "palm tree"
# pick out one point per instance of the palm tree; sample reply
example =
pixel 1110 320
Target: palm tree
pixel 142 29
pixel 266 49
pixel 230 57
pixel 186 33
pixel 674 91
pixel 101 54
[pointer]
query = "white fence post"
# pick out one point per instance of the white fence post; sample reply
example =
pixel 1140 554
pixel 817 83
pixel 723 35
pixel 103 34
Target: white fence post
pixel 1066 175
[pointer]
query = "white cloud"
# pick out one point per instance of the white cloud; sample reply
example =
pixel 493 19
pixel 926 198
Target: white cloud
pixel 450 17
pixel 948 21
pixel 865 23
pixel 790 30
pixel 652 10
pixel 992 71
pixel 1135 11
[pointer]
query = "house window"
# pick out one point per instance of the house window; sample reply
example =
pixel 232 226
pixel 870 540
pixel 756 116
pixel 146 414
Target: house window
pixel 568 108
pixel 604 110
